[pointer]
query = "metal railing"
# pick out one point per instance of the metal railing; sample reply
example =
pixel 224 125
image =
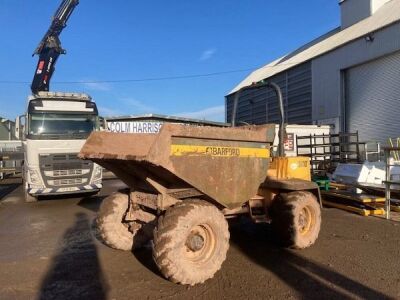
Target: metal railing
pixel 390 154
pixel 373 151
pixel 11 156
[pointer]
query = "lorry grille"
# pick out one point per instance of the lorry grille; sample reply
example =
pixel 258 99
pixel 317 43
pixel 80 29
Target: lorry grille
pixel 63 182
pixel 65 156
pixel 58 173
pixel 66 166
pixel 64 169
pixel 63 173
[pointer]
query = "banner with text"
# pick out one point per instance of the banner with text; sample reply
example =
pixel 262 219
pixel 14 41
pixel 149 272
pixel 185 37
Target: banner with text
pixel 134 127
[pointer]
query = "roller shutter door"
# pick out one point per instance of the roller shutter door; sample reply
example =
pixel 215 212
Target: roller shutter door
pixel 373 99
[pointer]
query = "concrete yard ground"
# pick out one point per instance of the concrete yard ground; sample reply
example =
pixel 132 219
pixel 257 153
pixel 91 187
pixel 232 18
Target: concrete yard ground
pixel 48 250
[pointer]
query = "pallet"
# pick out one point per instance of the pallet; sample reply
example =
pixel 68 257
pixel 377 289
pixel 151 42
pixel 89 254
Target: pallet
pixel 365 211
pixel 339 186
pixel 347 195
pixel 395 208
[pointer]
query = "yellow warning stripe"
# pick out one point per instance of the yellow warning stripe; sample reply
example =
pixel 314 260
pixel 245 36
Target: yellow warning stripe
pixel 218 151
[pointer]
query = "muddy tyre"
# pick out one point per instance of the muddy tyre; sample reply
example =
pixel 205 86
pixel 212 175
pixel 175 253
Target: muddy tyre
pixel 112 230
pixel 29 198
pixel 296 219
pixel 190 242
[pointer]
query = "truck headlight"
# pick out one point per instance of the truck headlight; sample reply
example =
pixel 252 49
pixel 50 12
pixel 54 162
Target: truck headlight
pixel 98 172
pixel 35 177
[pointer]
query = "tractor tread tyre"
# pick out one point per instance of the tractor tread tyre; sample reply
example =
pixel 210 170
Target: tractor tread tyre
pixel 170 238
pixel 109 222
pixel 285 213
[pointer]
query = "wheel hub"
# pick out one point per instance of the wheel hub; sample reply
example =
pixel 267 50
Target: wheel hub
pixel 200 243
pixel 195 242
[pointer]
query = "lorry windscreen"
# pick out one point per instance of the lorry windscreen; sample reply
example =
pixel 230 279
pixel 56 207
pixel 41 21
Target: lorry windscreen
pixel 60 125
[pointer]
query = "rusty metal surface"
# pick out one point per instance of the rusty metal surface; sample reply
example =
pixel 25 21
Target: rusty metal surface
pixel 112 145
pixel 226 164
pixel 184 193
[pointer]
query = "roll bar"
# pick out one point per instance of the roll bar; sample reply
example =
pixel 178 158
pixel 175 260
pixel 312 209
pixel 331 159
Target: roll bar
pixel 278 92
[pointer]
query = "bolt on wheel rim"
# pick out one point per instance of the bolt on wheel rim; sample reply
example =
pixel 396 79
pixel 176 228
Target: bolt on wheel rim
pixel 200 243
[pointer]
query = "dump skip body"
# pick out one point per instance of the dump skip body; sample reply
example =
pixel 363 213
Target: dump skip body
pixel 225 164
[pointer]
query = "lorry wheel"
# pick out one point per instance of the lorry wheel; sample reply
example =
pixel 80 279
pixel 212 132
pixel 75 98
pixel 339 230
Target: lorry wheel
pixel 113 231
pixel 190 242
pixel 29 197
pixel 296 219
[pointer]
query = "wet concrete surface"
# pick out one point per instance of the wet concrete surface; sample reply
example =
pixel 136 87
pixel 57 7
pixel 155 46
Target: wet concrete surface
pixel 48 250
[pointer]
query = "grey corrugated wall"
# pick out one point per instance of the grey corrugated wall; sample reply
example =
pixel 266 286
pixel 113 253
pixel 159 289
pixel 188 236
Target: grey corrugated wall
pixel 327 70
pixel 260 106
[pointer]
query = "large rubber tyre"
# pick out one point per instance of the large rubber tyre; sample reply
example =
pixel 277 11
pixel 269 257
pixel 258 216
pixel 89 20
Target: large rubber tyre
pixel 113 231
pixel 296 219
pixel 29 198
pixel 190 242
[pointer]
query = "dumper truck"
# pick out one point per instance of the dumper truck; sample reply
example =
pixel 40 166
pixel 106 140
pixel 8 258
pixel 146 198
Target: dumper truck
pixel 185 182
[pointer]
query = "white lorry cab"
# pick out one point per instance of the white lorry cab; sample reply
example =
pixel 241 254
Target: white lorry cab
pixel 56 127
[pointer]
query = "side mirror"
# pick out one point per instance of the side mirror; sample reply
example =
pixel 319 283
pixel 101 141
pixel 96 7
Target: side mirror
pixel 103 124
pixel 19 127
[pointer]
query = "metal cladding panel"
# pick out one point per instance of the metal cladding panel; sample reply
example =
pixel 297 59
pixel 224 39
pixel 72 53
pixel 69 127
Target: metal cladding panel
pixel 384 17
pixel 327 69
pixel 373 99
pixel 260 106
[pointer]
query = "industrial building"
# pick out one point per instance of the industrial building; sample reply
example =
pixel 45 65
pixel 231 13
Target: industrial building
pixel 7 129
pixel 348 78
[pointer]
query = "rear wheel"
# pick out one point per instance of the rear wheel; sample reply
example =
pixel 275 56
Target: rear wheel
pixel 190 242
pixel 296 219
pixel 113 231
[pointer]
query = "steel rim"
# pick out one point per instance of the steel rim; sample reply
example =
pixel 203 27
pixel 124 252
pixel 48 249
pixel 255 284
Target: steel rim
pixel 306 220
pixel 200 244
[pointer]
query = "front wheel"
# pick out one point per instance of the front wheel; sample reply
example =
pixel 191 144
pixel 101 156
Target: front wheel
pixel 113 231
pixel 190 242
pixel 296 219
pixel 29 198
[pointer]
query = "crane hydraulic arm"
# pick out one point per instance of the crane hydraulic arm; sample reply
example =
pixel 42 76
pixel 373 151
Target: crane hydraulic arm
pixel 50 48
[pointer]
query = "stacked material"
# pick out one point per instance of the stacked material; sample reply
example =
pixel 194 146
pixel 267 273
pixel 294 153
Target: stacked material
pixel 368 173
pixel 346 199
pixel 359 199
